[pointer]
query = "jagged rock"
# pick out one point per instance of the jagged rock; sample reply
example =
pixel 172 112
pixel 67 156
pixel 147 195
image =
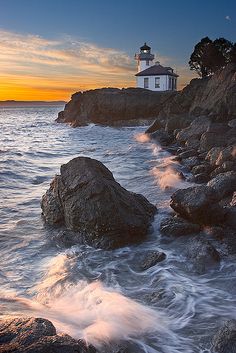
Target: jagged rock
pixel 87 199
pixel 223 184
pixel 192 143
pixel 225 167
pixel 197 127
pixel 176 226
pixel 224 341
pixel 162 136
pixel 202 254
pixel 225 155
pixel 156 125
pixel 230 217
pixel 151 258
pixel 232 123
pixel 198 204
pixel 36 335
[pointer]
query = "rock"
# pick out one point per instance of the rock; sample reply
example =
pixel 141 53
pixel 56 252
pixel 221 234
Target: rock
pixel 213 155
pixel 202 254
pixel 225 155
pixel 198 204
pixel 197 127
pixel 224 341
pixel 232 123
pixel 218 128
pixel 200 178
pixel 191 162
pixel 192 143
pixel 225 167
pixel 173 123
pixel 201 168
pixel 151 258
pixel 162 136
pixel 176 226
pixel 233 201
pixel 156 125
pixel 211 139
pixel 230 217
pixel 87 199
pixel 112 105
pixel 36 335
pixel 188 153
pixel 223 184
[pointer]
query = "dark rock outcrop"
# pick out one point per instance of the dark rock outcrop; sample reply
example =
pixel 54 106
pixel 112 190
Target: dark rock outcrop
pixel 223 184
pixel 176 226
pixel 87 199
pixel 113 106
pixel 201 254
pixel 198 204
pixel 224 341
pixel 36 335
pixel 151 258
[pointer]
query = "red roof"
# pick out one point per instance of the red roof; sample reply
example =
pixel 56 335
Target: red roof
pixel 157 70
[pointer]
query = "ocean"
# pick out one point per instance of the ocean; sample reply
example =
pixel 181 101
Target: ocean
pixel 100 295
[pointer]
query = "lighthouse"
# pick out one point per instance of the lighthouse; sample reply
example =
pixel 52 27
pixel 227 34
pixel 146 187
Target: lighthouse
pixel 154 76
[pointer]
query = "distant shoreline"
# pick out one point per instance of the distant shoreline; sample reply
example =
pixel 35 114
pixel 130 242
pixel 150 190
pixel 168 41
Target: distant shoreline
pixel 13 103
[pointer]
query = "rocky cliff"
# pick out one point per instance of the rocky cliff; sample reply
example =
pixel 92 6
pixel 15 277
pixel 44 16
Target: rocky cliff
pixel 113 106
pixel 214 96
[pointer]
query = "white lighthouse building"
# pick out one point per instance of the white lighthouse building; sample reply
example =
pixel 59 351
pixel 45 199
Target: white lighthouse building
pixel 154 77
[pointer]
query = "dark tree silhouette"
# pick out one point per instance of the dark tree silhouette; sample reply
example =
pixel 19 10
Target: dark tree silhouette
pixel 209 56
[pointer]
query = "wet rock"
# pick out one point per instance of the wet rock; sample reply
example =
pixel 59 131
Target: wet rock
pixel 202 254
pixel 192 143
pixel 157 124
pixel 232 123
pixel 198 204
pixel 191 162
pixel 87 199
pixel 200 178
pixel 224 341
pixel 188 153
pixel 176 226
pixel 223 184
pixel 151 258
pixel 162 136
pixel 36 335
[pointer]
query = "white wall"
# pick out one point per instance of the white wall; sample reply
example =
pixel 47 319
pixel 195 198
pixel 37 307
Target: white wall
pixel 164 80
pixel 143 66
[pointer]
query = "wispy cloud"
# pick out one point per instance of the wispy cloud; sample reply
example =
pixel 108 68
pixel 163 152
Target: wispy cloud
pixel 228 18
pixel 32 66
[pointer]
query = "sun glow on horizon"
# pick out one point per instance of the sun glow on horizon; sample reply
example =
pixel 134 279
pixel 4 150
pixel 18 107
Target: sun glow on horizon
pixel 36 68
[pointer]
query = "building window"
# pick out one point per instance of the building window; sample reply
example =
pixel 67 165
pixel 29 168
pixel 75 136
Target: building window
pixel 157 82
pixel 147 62
pixel 145 82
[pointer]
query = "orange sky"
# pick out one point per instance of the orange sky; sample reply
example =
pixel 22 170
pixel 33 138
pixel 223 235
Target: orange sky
pixel 35 68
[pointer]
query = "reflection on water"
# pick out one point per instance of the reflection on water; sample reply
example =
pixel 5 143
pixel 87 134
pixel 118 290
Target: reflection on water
pixel 92 293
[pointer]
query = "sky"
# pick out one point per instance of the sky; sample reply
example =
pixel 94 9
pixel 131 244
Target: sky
pixel 50 49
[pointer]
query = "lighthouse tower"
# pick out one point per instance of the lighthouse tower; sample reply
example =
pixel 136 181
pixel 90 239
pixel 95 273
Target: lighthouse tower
pixel 144 58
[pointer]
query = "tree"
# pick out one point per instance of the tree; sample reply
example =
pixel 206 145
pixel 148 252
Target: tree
pixel 209 56
pixel 196 59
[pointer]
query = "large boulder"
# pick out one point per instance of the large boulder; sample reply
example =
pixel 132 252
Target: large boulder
pixel 36 335
pixel 224 341
pixel 198 204
pixel 197 127
pixel 87 199
pixel 176 226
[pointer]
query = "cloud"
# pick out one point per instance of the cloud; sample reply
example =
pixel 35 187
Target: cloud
pixel 228 18
pixel 31 65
